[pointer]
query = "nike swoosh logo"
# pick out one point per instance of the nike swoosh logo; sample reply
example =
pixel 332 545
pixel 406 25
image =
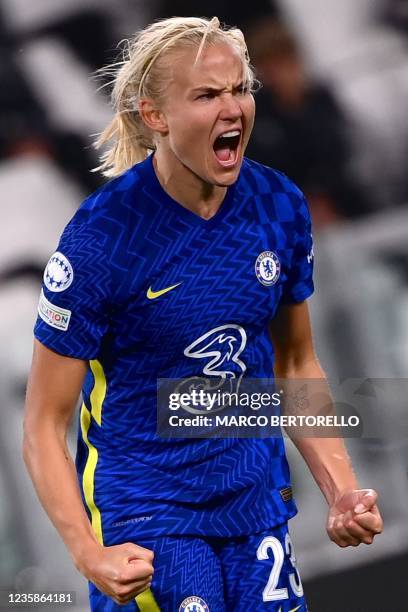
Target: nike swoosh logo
pixel 293 609
pixel 152 295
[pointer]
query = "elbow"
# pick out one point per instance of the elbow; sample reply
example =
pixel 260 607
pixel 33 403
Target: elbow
pixel 39 434
pixel 28 444
pixel 31 442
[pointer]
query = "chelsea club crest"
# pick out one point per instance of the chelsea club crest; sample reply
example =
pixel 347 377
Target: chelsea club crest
pixel 267 268
pixel 193 604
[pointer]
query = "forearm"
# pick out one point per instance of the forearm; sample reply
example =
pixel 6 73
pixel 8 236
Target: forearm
pixel 54 476
pixel 353 515
pixel 330 465
pixel 327 458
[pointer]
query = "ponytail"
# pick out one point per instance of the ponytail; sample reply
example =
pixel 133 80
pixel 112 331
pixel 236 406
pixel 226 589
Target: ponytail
pixel 131 143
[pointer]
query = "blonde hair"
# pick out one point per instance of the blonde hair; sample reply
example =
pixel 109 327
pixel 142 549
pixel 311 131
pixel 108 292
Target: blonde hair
pixel 142 73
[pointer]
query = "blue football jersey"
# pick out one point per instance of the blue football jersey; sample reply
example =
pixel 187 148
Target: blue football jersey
pixel 138 287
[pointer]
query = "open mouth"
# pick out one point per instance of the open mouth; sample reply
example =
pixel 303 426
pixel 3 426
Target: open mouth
pixel 226 147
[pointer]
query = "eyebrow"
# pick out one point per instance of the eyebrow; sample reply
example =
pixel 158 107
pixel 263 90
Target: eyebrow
pixel 215 89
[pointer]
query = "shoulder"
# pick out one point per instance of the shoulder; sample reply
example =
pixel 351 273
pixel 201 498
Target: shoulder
pixel 263 179
pixel 275 192
pixel 102 213
pixel 111 197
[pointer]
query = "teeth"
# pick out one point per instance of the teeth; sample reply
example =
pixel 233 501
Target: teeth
pixel 231 134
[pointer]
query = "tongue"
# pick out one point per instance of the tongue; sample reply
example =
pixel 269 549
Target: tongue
pixel 223 154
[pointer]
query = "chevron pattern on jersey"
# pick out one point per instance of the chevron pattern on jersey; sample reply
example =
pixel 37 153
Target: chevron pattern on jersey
pixel 131 236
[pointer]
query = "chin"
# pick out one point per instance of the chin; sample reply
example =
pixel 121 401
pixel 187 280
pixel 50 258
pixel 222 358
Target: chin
pixel 223 177
pixel 227 177
pixel 225 182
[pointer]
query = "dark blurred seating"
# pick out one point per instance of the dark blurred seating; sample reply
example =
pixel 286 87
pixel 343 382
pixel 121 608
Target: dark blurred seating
pixel 24 124
pixel 88 34
pixel 300 127
pixel 21 117
pixel 27 270
pixel 233 13
pixel 395 14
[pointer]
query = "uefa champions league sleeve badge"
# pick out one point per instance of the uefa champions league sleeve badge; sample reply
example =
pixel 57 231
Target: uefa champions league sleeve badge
pixel 58 274
pixel 267 268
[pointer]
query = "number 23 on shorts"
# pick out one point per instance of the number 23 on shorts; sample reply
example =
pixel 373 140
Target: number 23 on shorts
pixel 271 592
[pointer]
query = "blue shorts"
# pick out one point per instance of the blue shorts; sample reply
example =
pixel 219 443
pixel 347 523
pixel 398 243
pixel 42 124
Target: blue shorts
pixel 243 574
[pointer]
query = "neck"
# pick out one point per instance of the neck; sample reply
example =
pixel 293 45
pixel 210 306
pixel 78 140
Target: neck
pixel 188 189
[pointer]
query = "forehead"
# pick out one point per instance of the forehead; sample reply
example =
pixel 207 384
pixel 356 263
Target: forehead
pixel 219 65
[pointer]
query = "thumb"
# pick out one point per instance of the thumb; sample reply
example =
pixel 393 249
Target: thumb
pixel 138 553
pixel 137 569
pixel 366 500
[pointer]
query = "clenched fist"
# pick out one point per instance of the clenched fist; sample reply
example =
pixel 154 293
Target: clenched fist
pixel 121 571
pixel 354 518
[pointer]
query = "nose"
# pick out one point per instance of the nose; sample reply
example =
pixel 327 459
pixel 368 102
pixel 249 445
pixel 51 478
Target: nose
pixel 231 109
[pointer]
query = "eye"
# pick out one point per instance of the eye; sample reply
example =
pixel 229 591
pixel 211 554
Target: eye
pixel 242 90
pixel 209 95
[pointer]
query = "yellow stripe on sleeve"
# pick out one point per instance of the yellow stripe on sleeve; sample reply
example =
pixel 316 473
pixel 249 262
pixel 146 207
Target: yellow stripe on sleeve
pixel 88 479
pixel 99 390
pixel 146 602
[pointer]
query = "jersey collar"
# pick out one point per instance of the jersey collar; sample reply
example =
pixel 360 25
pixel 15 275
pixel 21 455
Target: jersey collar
pixel 153 187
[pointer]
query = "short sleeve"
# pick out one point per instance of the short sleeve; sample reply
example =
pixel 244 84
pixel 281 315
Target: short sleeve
pixel 73 311
pixel 299 284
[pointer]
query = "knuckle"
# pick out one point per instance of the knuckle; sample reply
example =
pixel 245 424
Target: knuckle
pixel 146 569
pixel 119 578
pixel 333 537
pixel 122 592
pixel 115 576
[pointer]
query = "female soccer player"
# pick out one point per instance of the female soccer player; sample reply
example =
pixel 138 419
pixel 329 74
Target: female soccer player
pixel 183 264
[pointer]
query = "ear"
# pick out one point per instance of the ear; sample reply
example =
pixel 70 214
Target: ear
pixel 152 116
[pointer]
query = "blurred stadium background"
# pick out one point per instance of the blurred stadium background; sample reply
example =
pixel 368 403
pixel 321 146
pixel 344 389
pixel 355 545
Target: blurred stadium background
pixel 335 80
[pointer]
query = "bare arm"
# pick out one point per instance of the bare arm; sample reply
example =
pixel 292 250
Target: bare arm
pixel 327 458
pixel 53 389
